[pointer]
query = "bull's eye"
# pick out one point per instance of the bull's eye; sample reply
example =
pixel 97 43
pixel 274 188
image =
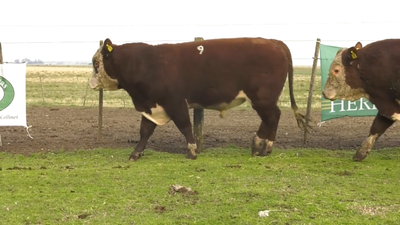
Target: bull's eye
pixel 336 71
pixel 96 66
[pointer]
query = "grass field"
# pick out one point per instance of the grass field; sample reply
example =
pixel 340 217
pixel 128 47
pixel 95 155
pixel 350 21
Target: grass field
pixel 295 186
pixel 228 187
pixel 67 86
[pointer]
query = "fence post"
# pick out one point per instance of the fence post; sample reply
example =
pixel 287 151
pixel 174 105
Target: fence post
pixel 41 87
pixel 1 62
pixel 100 125
pixel 310 92
pixel 198 120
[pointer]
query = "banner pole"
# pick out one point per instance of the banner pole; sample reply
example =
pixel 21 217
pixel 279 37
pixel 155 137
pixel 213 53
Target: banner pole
pixel 310 91
pixel 100 117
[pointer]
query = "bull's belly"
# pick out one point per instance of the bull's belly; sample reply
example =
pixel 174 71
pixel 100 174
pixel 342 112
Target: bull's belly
pixel 238 100
pixel 160 117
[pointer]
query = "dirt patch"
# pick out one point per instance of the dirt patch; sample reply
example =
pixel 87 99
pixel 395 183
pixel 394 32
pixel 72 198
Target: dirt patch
pixel 71 128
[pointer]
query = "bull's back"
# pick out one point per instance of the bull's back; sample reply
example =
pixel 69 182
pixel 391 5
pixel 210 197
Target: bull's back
pixel 383 53
pixel 230 60
pixel 381 58
pixel 227 67
pixel 379 67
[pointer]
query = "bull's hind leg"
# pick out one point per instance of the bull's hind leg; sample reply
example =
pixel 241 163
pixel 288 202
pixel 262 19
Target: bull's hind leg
pixel 179 113
pixel 266 134
pixel 146 130
pixel 379 126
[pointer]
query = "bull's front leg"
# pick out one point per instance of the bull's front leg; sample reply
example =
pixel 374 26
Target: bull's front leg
pixel 379 126
pixel 179 113
pixel 266 134
pixel 146 130
pixel 185 127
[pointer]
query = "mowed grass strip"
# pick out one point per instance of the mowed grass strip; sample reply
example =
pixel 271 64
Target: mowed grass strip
pixel 297 186
pixel 68 86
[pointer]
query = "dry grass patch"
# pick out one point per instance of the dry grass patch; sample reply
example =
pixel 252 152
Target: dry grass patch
pixel 375 210
pixel 58 69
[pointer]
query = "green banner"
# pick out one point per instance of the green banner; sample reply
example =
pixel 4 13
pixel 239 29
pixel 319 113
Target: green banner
pixel 339 108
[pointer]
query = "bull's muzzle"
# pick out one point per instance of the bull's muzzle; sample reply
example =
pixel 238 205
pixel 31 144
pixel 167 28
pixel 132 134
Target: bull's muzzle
pixel 329 95
pixel 94 84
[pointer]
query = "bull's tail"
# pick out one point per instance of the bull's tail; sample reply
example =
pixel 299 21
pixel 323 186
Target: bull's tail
pixel 299 117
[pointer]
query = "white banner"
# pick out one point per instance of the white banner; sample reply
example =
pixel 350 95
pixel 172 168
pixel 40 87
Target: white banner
pixel 13 94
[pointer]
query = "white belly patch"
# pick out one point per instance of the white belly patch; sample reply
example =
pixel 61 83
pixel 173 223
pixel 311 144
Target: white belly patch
pixel 396 116
pixel 223 107
pixel 160 117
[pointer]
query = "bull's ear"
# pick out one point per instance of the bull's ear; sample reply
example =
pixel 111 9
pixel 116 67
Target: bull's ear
pixel 349 56
pixel 352 53
pixel 107 47
pixel 358 46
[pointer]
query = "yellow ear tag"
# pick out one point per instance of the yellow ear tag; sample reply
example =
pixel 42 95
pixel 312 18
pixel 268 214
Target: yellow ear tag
pixel 353 55
pixel 109 47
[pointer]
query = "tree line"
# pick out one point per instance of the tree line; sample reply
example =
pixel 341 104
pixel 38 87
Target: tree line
pixel 28 61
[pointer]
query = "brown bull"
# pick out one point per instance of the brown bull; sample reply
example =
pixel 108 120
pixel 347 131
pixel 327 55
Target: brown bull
pixel 164 81
pixel 372 72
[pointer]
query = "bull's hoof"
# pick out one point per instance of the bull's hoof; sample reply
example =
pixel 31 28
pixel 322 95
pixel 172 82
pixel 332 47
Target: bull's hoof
pixel 265 152
pixel 261 149
pixel 255 150
pixel 262 153
pixel 258 147
pixel 359 156
pixel 190 156
pixel 135 156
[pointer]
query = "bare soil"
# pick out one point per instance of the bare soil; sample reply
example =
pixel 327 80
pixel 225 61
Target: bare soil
pixel 72 128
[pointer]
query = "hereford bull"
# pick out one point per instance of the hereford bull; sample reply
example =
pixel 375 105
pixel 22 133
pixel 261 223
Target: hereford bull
pixel 166 80
pixel 372 72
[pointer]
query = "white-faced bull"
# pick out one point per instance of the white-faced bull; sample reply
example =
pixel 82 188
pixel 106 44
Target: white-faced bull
pixel 372 72
pixel 164 81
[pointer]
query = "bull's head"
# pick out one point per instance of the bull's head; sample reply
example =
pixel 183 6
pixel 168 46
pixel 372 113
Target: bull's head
pixel 343 80
pixel 103 74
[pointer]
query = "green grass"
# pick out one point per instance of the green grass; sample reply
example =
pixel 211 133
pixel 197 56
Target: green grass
pixel 67 86
pixel 230 187
pixel 298 186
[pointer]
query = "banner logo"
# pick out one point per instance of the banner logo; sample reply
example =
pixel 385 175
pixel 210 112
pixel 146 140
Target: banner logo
pixel 6 93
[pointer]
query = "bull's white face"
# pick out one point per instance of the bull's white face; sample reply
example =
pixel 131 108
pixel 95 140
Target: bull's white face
pixel 336 86
pixel 100 78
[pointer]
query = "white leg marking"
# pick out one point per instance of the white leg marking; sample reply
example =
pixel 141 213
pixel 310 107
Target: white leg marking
pixel 366 147
pixel 192 147
pixel 269 144
pixel 222 113
pixel 368 143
